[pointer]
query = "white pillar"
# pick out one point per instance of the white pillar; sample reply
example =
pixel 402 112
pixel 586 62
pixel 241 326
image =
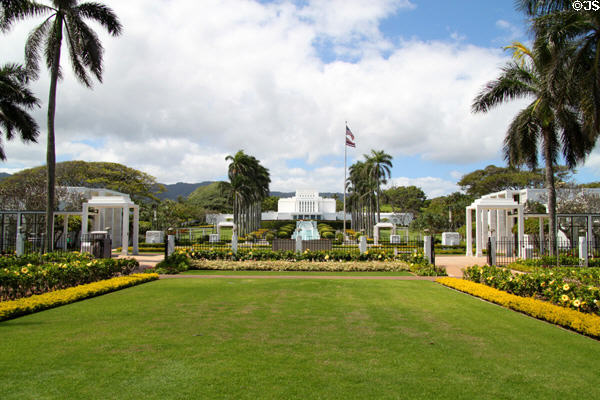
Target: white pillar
pixel 521 228
pixel 494 222
pixel 485 226
pixel 501 224
pixel 136 229
pixel 65 230
pixel 84 218
pixel 468 231
pixel 125 237
pixel 478 232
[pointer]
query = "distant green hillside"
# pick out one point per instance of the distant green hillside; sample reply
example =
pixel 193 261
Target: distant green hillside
pixel 3 175
pixel 210 197
pixel 175 190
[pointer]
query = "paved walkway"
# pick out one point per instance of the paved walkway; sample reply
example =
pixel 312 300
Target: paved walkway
pixel 145 260
pixel 455 263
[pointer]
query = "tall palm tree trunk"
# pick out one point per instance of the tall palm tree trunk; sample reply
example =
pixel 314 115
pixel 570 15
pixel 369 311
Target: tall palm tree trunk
pixel 551 190
pixel 50 149
pixel 378 209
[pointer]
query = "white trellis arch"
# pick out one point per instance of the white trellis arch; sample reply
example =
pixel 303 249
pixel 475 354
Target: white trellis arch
pixel 380 225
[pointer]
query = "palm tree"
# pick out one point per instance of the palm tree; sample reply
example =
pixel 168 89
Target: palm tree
pixel 249 185
pixel 379 165
pixel 576 34
pixel 361 186
pixel 62 19
pixel 15 101
pixel 550 121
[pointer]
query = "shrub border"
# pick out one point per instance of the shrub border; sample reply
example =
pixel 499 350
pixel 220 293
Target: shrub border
pixel 587 324
pixel 28 305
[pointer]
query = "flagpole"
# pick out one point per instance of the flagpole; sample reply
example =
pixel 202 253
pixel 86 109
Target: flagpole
pixel 345 156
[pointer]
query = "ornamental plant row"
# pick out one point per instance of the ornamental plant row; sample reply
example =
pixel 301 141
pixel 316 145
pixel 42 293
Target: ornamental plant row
pixel 587 324
pixel 19 307
pixel 30 275
pixel 334 255
pixel 318 266
pixel 576 288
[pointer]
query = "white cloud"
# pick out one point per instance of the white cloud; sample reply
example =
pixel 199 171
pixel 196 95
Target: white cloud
pixel 189 83
pixel 511 31
pixel 432 186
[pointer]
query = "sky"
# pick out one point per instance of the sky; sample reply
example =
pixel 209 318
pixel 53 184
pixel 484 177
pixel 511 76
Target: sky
pixel 190 82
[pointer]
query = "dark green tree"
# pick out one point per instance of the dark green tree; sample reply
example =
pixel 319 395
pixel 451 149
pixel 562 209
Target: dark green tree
pixel 406 199
pixel 493 179
pixel 16 100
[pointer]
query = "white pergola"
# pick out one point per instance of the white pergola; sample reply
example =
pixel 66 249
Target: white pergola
pixel 492 219
pixel 380 225
pixel 120 207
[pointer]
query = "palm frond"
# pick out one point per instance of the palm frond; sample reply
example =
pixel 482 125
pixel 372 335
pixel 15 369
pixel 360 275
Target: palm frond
pixel 102 14
pixel 33 46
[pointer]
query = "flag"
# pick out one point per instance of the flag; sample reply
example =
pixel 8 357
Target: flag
pixel 350 142
pixel 349 133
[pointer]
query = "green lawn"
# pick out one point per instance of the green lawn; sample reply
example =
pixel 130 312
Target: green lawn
pixel 303 339
pixel 300 273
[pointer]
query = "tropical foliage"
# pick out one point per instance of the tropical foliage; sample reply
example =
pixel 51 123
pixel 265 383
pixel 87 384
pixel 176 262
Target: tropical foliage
pixel 16 100
pixel 25 190
pixel 495 179
pixel 62 19
pixel 248 186
pixel 364 189
pixel 549 122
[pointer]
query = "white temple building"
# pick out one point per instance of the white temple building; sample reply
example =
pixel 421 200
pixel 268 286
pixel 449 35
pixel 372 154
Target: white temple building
pixel 306 204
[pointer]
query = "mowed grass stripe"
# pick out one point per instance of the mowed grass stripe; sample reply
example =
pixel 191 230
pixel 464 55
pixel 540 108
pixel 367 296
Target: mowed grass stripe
pixel 221 338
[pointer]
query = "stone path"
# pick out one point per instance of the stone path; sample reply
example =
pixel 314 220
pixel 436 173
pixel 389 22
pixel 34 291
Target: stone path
pixel 455 263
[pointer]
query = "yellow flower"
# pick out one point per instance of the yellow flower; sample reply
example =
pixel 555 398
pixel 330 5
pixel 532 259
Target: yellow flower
pixel 576 303
pixel 24 270
pixel 551 282
pixel 564 297
pixel 367 252
pixel 29 265
pixel 566 286
pixel 543 284
pixel 327 256
pixel 17 273
pixel 379 256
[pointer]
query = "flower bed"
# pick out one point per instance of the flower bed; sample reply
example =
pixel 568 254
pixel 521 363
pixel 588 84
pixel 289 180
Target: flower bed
pixel 584 323
pixel 324 266
pixel 577 288
pixel 36 274
pixel 242 254
pixel 16 308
